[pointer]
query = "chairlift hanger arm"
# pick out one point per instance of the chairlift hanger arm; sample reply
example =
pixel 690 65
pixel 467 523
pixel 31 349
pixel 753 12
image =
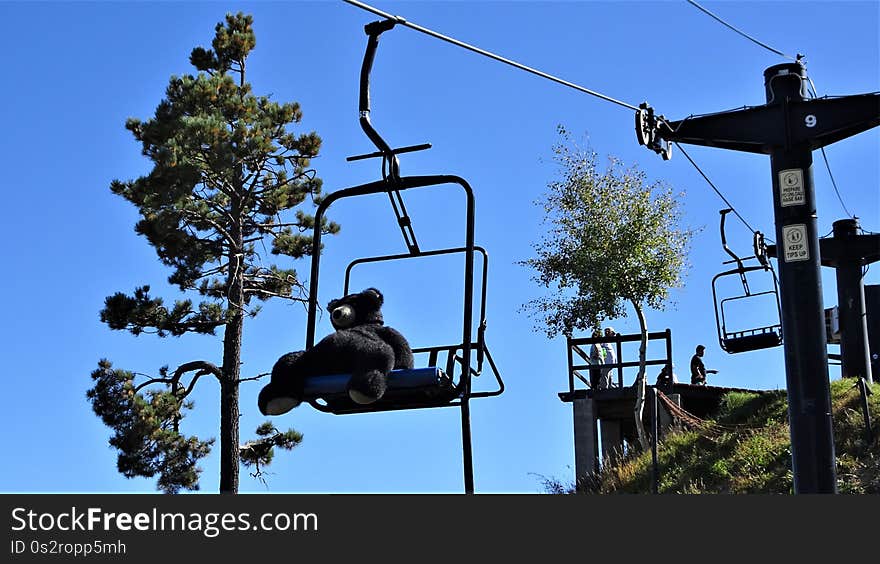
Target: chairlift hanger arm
pixel 724 238
pixel 739 263
pixel 389 156
pixel 373 31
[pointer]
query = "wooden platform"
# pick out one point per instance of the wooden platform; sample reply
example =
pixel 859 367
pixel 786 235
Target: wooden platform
pixel 618 403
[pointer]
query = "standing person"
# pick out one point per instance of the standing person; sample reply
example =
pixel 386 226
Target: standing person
pixel 698 369
pixel 597 358
pixel 610 358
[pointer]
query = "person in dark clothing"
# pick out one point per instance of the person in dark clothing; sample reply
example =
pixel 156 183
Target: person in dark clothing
pixel 666 378
pixel 698 369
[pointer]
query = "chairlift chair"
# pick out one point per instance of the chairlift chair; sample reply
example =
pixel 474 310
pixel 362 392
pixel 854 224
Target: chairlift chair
pixel 435 385
pixel 754 338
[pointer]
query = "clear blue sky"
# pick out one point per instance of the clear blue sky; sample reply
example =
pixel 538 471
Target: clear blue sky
pixel 75 71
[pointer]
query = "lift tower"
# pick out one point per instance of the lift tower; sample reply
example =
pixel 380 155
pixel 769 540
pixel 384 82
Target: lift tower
pixel 847 253
pixel 788 128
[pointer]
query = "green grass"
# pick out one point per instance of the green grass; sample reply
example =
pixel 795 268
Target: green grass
pixel 746 449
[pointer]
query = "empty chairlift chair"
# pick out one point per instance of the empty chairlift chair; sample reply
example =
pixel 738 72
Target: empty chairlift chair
pixel 753 338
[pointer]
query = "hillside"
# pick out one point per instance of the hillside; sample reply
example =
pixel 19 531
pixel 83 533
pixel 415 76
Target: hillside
pixel 745 449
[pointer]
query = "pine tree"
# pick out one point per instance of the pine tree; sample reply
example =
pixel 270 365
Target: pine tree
pixel 225 169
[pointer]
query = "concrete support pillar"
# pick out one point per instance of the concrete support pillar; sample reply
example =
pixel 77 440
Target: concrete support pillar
pixel 612 440
pixel 586 438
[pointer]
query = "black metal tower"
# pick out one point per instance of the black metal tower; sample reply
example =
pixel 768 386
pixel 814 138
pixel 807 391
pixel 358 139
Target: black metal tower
pixel 788 128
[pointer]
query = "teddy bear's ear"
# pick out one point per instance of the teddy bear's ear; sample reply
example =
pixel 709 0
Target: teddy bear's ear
pixel 332 305
pixel 379 297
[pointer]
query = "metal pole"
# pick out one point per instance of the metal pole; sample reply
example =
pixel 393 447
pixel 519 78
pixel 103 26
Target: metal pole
pixel 854 351
pixel 654 417
pixel 803 323
pixel 866 413
pixel 466 447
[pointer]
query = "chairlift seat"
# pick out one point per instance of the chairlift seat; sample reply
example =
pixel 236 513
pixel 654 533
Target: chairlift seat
pixel 764 338
pixel 406 388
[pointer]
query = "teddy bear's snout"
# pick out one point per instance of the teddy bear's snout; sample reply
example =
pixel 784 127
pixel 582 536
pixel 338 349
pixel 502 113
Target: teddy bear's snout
pixel 342 316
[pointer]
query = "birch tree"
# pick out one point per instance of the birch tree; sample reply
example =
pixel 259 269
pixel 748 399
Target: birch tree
pixel 613 238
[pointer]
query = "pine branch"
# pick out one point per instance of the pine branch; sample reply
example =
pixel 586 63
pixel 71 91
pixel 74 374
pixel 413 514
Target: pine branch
pixel 310 174
pixel 213 205
pixel 252 290
pixel 204 367
pixel 217 227
pixel 139 313
pixel 213 271
pixel 254 378
pixel 256 175
pixel 267 226
pixel 206 171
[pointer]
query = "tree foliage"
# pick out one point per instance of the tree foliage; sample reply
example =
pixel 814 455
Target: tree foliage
pixel 613 238
pixel 227 174
pixel 225 168
pixel 258 454
pixel 147 429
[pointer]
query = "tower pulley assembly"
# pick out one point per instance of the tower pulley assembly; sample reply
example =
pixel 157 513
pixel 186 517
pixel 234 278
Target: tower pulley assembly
pixel 647 126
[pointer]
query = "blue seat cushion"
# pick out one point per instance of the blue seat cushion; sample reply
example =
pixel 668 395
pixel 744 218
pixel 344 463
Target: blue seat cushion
pixel 407 380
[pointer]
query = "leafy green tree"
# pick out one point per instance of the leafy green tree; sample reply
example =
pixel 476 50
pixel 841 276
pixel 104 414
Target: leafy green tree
pixel 613 239
pixel 225 169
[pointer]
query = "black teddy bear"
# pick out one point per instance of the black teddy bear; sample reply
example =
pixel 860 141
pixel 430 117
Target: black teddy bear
pixel 361 346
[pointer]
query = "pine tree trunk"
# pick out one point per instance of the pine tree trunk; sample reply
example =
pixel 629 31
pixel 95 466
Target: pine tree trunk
pixel 640 379
pixel 229 410
pixel 229 386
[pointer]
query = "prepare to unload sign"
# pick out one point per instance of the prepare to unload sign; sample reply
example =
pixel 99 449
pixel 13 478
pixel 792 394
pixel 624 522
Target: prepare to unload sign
pixel 794 239
pixel 791 187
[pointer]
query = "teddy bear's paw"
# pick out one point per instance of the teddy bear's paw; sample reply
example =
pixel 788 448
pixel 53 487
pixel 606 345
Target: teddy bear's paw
pixel 280 406
pixel 272 402
pixel 360 398
pixel 367 388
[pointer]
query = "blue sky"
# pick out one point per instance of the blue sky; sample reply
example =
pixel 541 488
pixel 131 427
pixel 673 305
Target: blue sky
pixel 75 71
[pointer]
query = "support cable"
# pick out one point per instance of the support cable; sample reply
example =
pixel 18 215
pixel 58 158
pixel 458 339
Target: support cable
pixel 485 53
pixel 747 36
pixel 812 89
pixel 834 184
pixel 402 21
pixel 717 191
